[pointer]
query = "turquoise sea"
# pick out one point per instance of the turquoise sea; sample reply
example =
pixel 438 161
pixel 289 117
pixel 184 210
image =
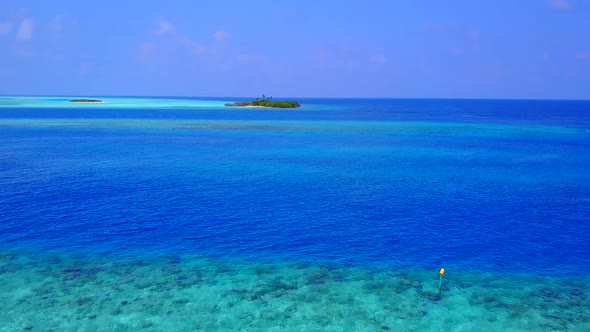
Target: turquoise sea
pixel 180 214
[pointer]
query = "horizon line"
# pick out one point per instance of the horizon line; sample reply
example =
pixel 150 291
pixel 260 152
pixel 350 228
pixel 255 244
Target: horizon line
pixel 291 97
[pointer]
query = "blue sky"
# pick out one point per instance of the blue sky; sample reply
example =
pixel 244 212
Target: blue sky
pixel 373 48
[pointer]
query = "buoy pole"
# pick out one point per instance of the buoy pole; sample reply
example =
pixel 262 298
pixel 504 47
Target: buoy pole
pixel 440 273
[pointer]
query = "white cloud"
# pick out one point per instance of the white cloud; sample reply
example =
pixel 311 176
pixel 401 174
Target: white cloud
pixel 195 47
pixel 55 25
pixel 433 28
pixel 85 68
pixel 220 36
pixel 458 51
pixel 5 27
pixel 378 59
pixel 25 52
pixel 560 4
pixel 145 49
pixel 322 53
pixel 246 58
pixel 474 35
pixel 25 30
pixel 165 27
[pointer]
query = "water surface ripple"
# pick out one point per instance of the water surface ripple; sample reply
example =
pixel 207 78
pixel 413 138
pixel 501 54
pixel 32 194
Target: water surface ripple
pixel 356 203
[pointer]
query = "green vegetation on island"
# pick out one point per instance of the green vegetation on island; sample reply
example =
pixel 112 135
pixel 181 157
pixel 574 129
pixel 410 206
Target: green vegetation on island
pixel 266 102
pixel 85 101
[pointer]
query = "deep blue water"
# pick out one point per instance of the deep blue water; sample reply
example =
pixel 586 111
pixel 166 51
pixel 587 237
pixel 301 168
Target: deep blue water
pixel 481 185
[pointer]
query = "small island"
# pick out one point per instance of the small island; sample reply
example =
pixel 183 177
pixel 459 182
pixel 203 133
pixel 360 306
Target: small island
pixel 266 102
pixel 86 101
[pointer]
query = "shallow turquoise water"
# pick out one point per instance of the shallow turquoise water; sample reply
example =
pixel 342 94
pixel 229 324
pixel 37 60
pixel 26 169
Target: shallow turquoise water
pixel 183 215
pixel 107 103
pixel 181 293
